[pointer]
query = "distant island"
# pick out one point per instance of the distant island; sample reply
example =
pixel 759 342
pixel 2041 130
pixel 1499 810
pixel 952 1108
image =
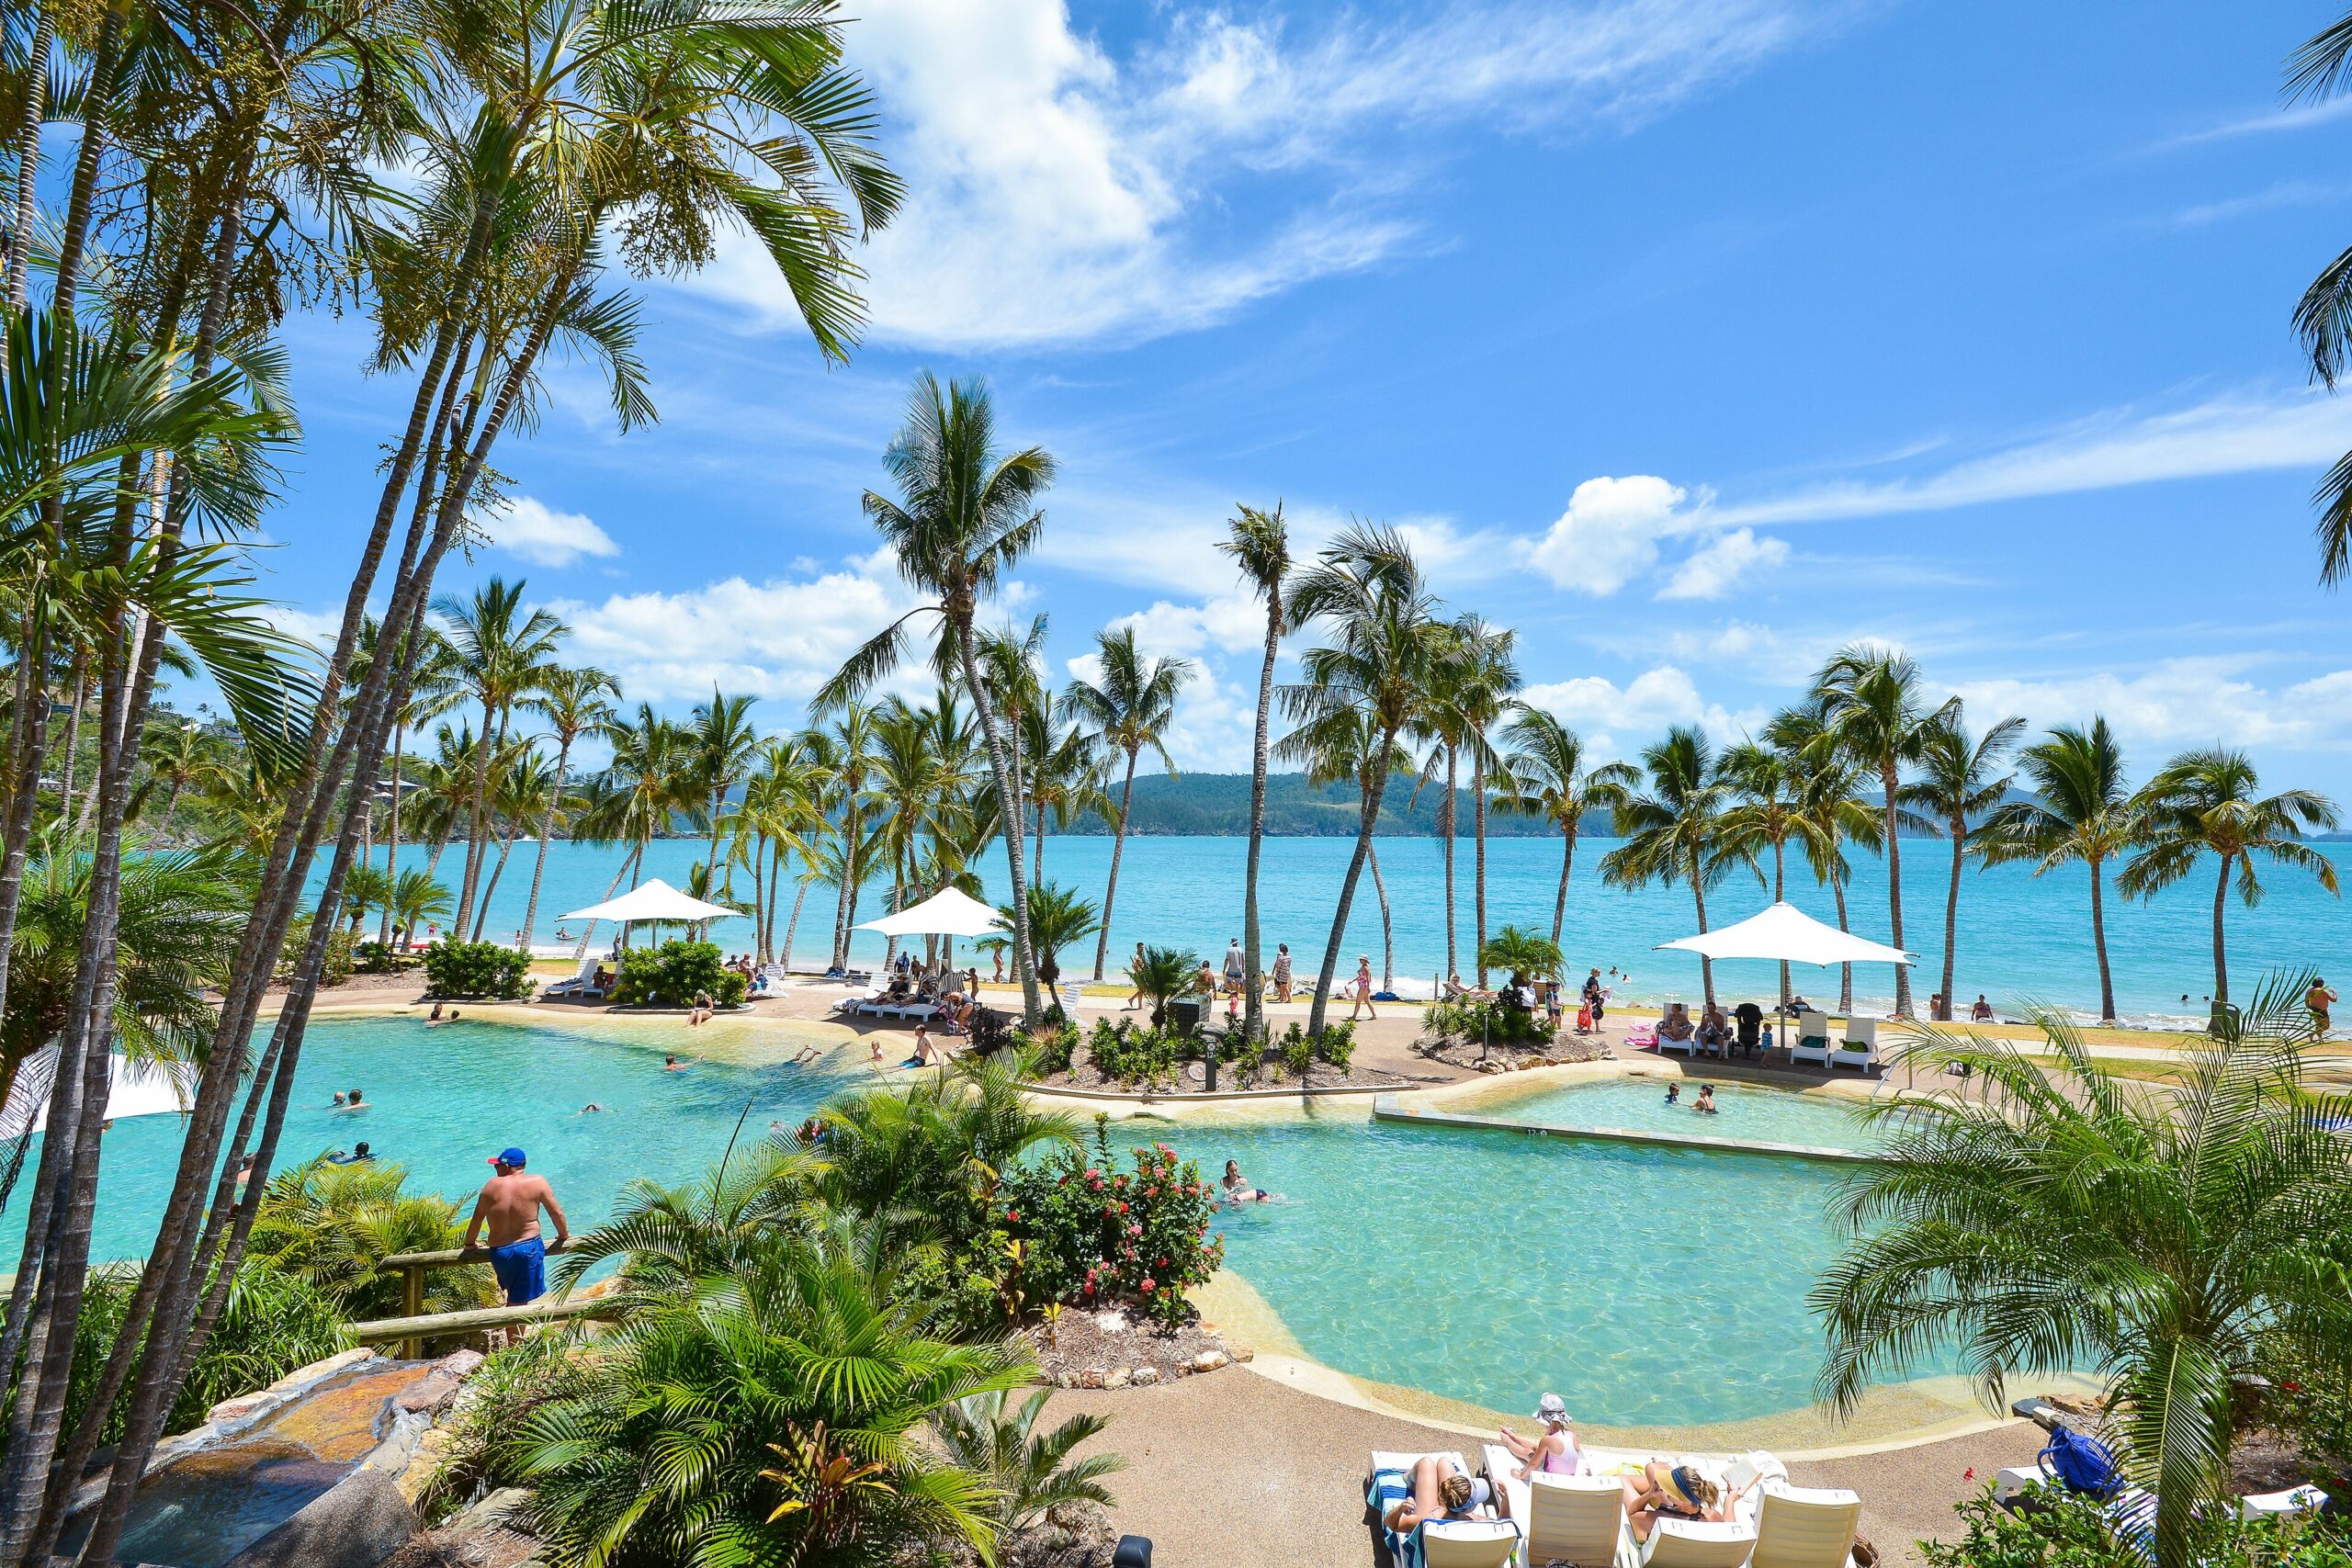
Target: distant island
pixel 1218 806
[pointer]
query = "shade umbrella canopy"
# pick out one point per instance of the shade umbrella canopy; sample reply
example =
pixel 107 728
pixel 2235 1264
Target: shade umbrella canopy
pixel 133 1088
pixel 1787 933
pixel 653 900
pixel 949 912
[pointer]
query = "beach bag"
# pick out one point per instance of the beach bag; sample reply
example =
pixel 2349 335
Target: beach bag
pixel 2082 1464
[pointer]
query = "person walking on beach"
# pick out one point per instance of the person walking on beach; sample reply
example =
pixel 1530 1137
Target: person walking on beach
pixel 1237 969
pixel 1134 967
pixel 509 1206
pixel 1596 996
pixel 1281 972
pixel 2318 998
pixel 1363 989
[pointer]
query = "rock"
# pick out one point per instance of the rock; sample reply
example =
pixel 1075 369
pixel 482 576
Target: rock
pixel 1091 1377
pixel 1243 1353
pixel 1145 1376
pixel 459 1363
pixel 1490 1066
pixel 1209 1361
pixel 303 1377
pixel 428 1393
pixel 1120 1377
pixel 234 1413
pixel 1112 1322
pixel 493 1512
pixel 432 1447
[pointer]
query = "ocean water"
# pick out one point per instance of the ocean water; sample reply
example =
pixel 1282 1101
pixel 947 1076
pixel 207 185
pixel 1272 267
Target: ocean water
pixel 2021 937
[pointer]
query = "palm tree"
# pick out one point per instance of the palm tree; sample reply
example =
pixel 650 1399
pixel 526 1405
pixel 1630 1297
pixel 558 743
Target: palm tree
pixel 1031 1473
pixel 1488 675
pixel 2206 802
pixel 1874 712
pixel 1385 644
pixel 1674 828
pixel 1834 807
pixel 2322 318
pixel 429 691
pixel 502 656
pixel 574 702
pixel 1954 788
pixel 180 755
pixel 2080 810
pixel 525 792
pixel 330 1225
pixel 845 755
pixel 1259 543
pixel 1129 705
pixel 1070 775
pixel 650 782
pixel 1546 760
pixel 365 887
pixel 417 899
pixel 725 748
pixel 966 512
pixel 2072 1221
pixel 1517 952
pixel 1343 746
pixel 1058 918
pixel 1770 814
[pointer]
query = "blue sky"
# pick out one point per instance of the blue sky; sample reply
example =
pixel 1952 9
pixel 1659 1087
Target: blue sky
pixel 1692 340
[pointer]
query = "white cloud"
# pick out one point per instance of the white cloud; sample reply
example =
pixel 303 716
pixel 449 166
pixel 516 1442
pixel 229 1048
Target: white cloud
pixel 1609 534
pixel 780 639
pixel 1232 622
pixel 2178 703
pixel 530 529
pixel 1638 711
pixel 1059 194
pixel 1720 564
pixel 2298 117
pixel 2286 193
pixel 2222 435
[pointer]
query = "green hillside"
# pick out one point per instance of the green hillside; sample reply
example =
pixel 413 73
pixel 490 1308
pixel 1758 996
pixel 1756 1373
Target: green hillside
pixel 1217 805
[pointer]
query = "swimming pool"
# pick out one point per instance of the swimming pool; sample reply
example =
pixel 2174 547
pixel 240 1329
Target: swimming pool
pixel 1647 1286
pixel 1742 1110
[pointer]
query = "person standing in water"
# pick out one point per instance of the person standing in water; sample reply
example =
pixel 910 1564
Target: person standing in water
pixel 509 1206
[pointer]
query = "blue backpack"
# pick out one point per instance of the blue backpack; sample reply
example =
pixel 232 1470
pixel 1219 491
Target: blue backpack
pixel 2082 1464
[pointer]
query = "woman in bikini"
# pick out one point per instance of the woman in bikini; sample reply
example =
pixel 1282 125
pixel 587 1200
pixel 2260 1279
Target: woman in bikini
pixel 1553 1452
pixel 1440 1491
pixel 1362 988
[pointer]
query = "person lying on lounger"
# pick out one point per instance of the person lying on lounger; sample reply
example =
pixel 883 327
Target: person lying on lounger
pixel 1554 1451
pixel 1673 1491
pixel 1439 1492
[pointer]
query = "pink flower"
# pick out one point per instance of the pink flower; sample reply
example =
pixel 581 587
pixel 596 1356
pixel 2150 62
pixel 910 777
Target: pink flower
pixel 1147 1284
pixel 1135 1230
pixel 1011 1214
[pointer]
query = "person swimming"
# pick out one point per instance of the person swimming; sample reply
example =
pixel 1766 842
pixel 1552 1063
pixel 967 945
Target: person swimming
pixel 670 1064
pixel 434 1017
pixel 1674 1094
pixel 1238 1189
pixel 591 1109
pixel 1706 1106
pixel 351 1102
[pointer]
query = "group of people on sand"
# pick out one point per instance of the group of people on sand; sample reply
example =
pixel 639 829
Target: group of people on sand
pixel 1654 1491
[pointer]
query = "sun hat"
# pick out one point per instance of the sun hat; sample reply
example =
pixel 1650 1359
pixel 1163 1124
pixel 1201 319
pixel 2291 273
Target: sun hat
pixel 508 1155
pixel 1551 1407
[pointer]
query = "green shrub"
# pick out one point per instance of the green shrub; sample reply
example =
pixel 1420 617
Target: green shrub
pixel 477 969
pixel 1053 1048
pixel 1097 1235
pixel 1128 1054
pixel 1477 1023
pixel 2055 1529
pixel 674 973
pixel 502 1394
pixel 1297 1050
pixel 1337 1044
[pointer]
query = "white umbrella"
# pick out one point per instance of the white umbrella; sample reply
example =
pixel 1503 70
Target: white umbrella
pixel 654 900
pixel 133 1088
pixel 1787 933
pixel 949 912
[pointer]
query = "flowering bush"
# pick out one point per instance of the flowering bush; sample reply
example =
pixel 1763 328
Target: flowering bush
pixel 1098 1235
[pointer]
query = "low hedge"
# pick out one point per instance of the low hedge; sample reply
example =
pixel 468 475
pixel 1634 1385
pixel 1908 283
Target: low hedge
pixel 673 973
pixel 477 969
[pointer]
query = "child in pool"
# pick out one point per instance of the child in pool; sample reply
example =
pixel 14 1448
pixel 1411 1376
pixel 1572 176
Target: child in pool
pixel 1674 1094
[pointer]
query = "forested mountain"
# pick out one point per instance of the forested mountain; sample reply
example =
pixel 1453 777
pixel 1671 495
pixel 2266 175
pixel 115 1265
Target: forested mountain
pixel 1218 804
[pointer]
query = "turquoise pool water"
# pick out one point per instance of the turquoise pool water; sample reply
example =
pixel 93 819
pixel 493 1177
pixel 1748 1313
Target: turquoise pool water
pixel 441 1101
pixel 1742 1110
pixel 1647 1286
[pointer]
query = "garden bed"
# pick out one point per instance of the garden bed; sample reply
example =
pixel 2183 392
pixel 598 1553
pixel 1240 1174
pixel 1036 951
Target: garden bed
pixel 1114 1349
pixel 1512 1056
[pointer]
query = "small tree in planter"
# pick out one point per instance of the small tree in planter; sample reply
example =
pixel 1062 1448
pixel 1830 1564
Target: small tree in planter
pixel 1099 1235
pixel 477 969
pixel 673 973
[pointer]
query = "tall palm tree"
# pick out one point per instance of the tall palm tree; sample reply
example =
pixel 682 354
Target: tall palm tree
pixel 2070 1221
pixel 1833 804
pixel 2080 810
pixel 1547 764
pixel 1384 641
pixel 2323 319
pixel 1011 661
pixel 1441 725
pixel 180 755
pixel 1129 705
pixel 1069 775
pixel 2208 802
pixel 966 512
pixel 1673 827
pixel 1259 543
pixel 1488 674
pixel 846 754
pixel 1955 789
pixel 649 784
pixel 574 702
pixel 783 807
pixel 523 792
pixel 429 691
pixel 726 746
pixel 1344 747
pixel 502 655
pixel 1769 815
pixel 1875 712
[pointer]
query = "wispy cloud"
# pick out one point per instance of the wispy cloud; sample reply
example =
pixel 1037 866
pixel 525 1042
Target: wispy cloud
pixel 1062 194
pixel 2269 122
pixel 2222 435
pixel 2286 193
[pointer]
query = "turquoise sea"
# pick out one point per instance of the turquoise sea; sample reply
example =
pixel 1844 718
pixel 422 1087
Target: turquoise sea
pixel 2021 937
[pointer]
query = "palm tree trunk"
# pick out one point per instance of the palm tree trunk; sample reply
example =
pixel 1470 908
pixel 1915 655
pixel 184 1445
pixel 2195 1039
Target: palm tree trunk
pixel 1706 964
pixel 477 819
pixel 1110 889
pixel 1254 1018
pixel 26 213
pixel 392 840
pixel 2220 953
pixel 1895 892
pixel 1371 794
pixel 481 919
pixel 1038 868
pixel 1958 829
pixel 440 843
pixel 793 925
pixel 1780 894
pixel 81 697
pixel 1387 925
pixel 2099 943
pixel 1024 964
pixel 1478 853
pixel 610 888
pixel 776 873
pixel 847 901
pixel 1445 834
pixel 546 829
pixel 1845 971
pixel 1560 900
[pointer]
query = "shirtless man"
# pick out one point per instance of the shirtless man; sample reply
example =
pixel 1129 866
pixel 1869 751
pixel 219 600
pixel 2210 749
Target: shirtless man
pixel 509 1205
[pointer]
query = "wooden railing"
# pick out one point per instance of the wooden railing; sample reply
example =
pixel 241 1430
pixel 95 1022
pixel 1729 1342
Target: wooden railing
pixel 415 1325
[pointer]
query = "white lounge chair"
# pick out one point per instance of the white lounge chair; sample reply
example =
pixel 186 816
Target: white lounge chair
pixel 580 985
pixel 1696 1544
pixel 1860 1050
pixel 1575 1519
pixel 1689 1047
pixel 1468 1543
pixel 1811 1043
pixel 1806 1526
pixel 1466 1549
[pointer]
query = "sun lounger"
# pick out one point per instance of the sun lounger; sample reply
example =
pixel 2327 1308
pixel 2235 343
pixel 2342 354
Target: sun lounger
pixel 1860 1050
pixel 1484 1542
pixel 1811 1043
pixel 1695 1543
pixel 1574 1519
pixel 1805 1526
pixel 580 985
pixel 1689 1044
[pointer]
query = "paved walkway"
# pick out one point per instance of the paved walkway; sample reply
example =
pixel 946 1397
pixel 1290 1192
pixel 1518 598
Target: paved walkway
pixel 1234 1468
